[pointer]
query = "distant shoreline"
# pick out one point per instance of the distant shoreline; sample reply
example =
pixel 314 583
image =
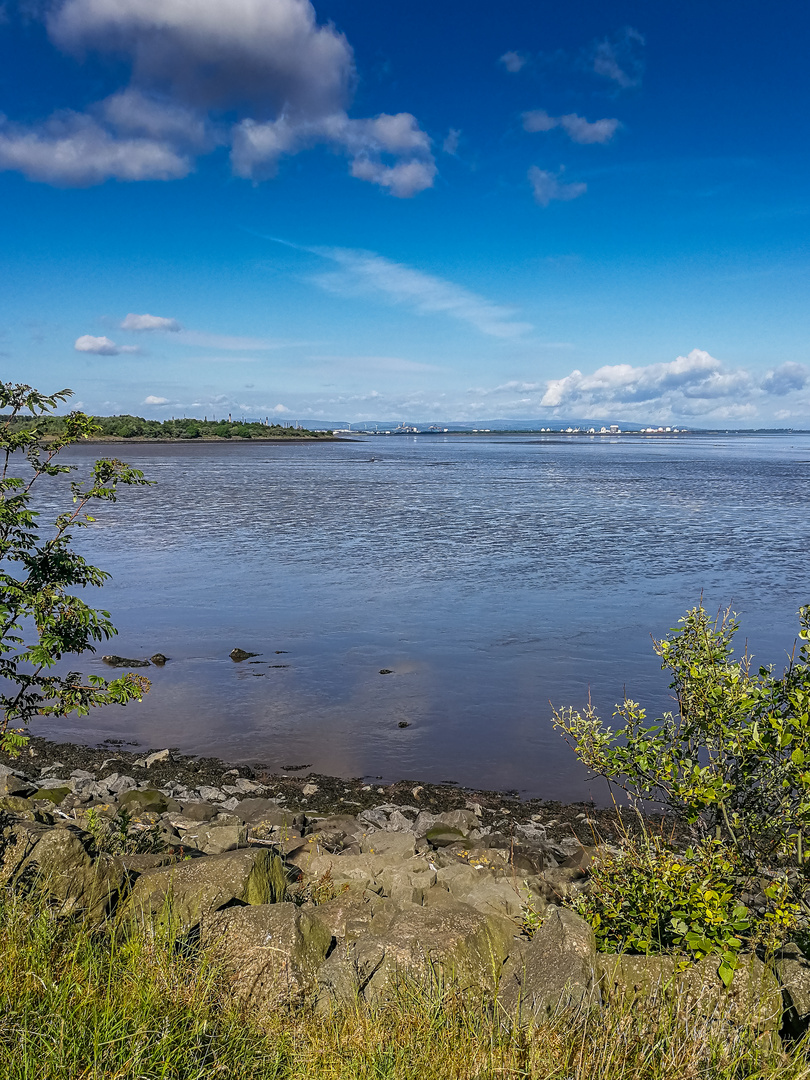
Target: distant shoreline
pixel 100 440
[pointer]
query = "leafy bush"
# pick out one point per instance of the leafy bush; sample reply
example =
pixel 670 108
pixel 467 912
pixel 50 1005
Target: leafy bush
pixel 735 758
pixel 41 621
pixel 648 898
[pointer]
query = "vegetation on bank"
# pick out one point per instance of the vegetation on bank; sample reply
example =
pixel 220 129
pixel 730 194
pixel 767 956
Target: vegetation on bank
pixel 88 1004
pixel 136 427
pixel 41 620
pixel 734 763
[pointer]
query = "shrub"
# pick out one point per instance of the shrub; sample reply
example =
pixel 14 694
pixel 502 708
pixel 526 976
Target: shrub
pixel 647 898
pixel 735 758
pixel 41 621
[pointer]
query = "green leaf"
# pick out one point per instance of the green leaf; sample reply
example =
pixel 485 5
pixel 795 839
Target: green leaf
pixel 726 973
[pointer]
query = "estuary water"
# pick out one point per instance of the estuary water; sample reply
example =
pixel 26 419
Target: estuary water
pixel 492 576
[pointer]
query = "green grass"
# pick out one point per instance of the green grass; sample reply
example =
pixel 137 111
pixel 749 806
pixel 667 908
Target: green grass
pixel 78 1004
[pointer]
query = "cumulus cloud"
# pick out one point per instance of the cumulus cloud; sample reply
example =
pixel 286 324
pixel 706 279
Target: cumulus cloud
pixel 620 58
pixel 214 55
pixel 404 179
pixel 152 400
pixel 72 149
pixel 786 379
pixel 260 76
pixel 150 322
pixel 513 61
pixel 696 387
pixel 576 127
pixel 367 272
pixel 371 144
pixel 548 187
pixel 697 375
pixel 101 346
pixel 136 113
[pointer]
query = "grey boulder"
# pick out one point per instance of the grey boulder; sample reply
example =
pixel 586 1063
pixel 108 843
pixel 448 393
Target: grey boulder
pixel 214 839
pixel 408 944
pixel 753 999
pixel 557 971
pixel 793 971
pixel 273 952
pixel 61 863
pixel 185 893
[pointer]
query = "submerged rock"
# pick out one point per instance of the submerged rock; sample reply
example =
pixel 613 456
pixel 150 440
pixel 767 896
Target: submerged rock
pixel 123 661
pixel 238 655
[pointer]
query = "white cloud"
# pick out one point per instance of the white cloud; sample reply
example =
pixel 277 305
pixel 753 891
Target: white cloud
pixel 286 80
pixel 577 127
pixel 513 61
pixel 258 147
pixel 152 400
pixel 697 386
pixel 101 346
pixel 620 58
pixel 72 149
pixel 404 179
pixel 135 112
pixel 696 389
pixel 365 271
pixel 271 53
pixel 548 187
pixel 584 131
pixel 786 379
pixel 150 322
pixel 539 120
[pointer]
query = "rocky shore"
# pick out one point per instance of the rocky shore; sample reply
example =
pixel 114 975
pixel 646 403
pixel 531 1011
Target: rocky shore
pixel 329 891
pixel 183 777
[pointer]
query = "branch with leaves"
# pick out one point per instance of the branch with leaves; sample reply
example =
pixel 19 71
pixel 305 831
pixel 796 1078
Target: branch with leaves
pixel 734 759
pixel 41 620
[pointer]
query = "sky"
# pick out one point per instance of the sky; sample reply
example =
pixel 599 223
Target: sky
pixel 418 212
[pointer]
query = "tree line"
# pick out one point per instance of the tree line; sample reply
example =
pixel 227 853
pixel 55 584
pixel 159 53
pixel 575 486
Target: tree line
pixel 126 426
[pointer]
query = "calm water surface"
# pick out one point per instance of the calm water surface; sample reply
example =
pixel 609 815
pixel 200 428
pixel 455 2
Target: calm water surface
pixel 492 576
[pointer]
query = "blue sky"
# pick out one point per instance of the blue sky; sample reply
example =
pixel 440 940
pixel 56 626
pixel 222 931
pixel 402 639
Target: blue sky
pixel 370 211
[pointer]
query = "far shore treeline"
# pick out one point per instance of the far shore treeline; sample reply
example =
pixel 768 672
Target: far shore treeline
pixel 136 427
